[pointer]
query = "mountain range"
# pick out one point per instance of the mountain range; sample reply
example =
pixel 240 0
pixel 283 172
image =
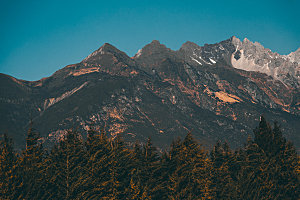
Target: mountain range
pixel 216 91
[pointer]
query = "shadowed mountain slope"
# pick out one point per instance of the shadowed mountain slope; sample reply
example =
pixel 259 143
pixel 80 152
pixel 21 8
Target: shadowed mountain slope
pixel 217 91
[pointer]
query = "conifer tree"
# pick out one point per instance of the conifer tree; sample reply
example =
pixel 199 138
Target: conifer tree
pixel 223 185
pixel 8 179
pixel 284 172
pixel 136 190
pixel 269 168
pixel 96 176
pixel 31 169
pixel 149 167
pixel 119 170
pixel 138 187
pixel 190 179
pixel 163 173
pixel 67 163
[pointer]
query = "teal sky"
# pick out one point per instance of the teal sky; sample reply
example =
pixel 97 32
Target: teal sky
pixel 39 37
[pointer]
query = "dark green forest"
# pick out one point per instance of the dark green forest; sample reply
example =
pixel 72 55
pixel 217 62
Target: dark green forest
pixel 98 167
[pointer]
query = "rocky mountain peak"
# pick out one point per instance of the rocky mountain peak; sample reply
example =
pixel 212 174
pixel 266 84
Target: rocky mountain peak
pixel 151 55
pixel 235 41
pixel 153 48
pixel 155 42
pixel 106 55
pixel 189 45
pixel 152 51
pixel 105 49
pixel 295 56
pixel 251 56
pixel 245 55
pixel 209 54
pixel 246 40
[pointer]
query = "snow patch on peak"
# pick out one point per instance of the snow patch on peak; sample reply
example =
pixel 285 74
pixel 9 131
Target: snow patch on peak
pixel 204 60
pixel 211 60
pixel 196 60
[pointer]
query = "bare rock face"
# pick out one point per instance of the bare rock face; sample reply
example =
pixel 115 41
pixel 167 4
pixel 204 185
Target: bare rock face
pixel 247 56
pixel 295 56
pixel 217 91
pixel 251 56
pixel 209 54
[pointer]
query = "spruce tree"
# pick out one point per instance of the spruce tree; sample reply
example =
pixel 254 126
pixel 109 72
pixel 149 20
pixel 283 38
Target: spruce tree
pixel 269 168
pixel 150 160
pixel 67 167
pixel 223 185
pixel 162 176
pixel 119 170
pixel 190 179
pixel 251 179
pixel 136 190
pixel 31 169
pixel 96 176
pixel 8 179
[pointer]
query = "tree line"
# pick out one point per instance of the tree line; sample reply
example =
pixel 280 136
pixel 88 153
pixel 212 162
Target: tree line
pixel 267 167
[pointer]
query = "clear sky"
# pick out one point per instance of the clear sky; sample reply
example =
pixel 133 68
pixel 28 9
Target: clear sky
pixel 39 37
